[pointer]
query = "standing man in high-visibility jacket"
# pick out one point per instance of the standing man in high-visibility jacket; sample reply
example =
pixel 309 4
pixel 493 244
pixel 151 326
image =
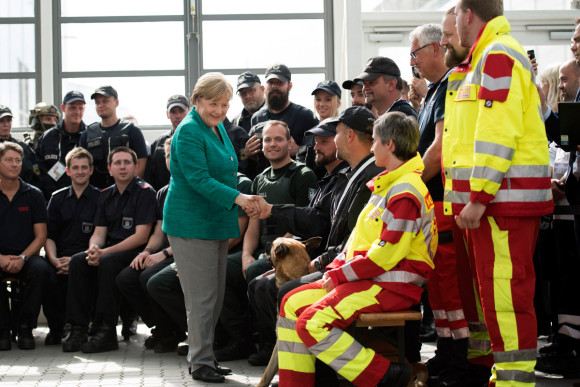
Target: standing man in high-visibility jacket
pixel 497 179
pixel 388 257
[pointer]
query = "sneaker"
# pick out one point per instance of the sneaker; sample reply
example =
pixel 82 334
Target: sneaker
pixel 398 375
pixel 77 337
pixel 104 340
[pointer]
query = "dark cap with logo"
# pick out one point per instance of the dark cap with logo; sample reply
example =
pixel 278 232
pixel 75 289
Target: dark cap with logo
pixel 5 111
pixel 326 128
pixel 356 117
pixel 377 66
pixel 105 91
pixel 178 100
pixel 247 79
pixel 348 84
pixel 278 71
pixel 73 96
pixel 330 87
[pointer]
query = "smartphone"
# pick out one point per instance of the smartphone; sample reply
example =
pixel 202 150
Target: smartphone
pixel 531 54
pixel 415 72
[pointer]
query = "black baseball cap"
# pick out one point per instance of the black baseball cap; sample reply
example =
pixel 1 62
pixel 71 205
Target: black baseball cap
pixel 377 66
pixel 178 100
pixel 73 96
pixel 348 84
pixel 325 129
pixel 278 71
pixel 356 117
pixel 5 111
pixel 247 79
pixel 106 91
pixel 330 87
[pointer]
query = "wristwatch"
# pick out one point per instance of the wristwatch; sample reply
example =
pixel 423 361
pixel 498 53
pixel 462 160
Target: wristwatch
pixel 24 257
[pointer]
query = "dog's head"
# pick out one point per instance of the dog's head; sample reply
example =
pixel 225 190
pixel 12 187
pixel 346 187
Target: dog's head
pixel 291 257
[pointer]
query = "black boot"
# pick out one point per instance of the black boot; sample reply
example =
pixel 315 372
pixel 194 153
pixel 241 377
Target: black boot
pixel 5 340
pixel 457 371
pixel 398 375
pixel 104 340
pixel 129 328
pixel 441 360
pixel 25 338
pixel 77 337
pixel 263 356
pixel 236 349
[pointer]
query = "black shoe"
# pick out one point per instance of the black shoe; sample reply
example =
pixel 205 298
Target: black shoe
pixel 183 350
pixel 25 338
pixel 222 370
pixel 66 331
pixel 104 340
pixel 236 350
pixel 263 356
pixel 129 329
pixel 562 363
pixel 207 374
pixel 398 375
pixel 442 357
pixel 53 337
pixel 166 344
pixel 77 337
pixel 5 340
pixel 152 341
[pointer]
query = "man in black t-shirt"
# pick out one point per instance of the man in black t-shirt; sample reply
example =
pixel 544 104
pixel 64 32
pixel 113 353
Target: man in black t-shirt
pixel 22 235
pixel 251 93
pixel 101 138
pixel 126 212
pixel 382 87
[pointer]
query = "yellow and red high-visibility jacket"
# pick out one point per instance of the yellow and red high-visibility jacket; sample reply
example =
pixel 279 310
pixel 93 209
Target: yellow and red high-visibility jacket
pixel 495 149
pixel 395 237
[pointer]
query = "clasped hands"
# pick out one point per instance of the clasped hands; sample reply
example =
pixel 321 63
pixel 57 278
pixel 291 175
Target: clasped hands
pixel 255 206
pixel 94 254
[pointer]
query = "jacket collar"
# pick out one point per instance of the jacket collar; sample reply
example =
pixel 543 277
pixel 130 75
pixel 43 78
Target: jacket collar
pixel 384 179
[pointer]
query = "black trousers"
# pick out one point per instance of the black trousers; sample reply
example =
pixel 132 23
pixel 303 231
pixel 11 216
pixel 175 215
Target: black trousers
pixel 33 279
pixel 263 293
pixel 132 285
pixel 86 282
pixel 54 303
pixel 167 300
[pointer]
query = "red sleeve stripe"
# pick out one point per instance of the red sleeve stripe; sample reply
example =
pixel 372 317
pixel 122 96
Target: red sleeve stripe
pixel 496 79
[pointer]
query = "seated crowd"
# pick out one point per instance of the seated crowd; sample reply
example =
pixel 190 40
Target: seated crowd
pixel 439 189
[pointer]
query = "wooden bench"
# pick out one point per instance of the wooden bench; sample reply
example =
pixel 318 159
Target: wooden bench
pixel 387 319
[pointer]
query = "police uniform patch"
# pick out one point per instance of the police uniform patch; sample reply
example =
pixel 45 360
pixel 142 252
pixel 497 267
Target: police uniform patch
pixel 464 92
pixel 87 227
pixel 127 222
pixel 94 143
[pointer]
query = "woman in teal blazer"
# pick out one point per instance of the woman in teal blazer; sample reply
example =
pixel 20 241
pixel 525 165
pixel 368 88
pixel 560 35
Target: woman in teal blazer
pixel 200 215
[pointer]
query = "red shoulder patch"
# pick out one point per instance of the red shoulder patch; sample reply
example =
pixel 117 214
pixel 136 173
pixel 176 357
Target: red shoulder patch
pixel 496 77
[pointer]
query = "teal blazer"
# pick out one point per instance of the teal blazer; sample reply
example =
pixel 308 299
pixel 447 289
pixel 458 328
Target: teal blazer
pixel 202 189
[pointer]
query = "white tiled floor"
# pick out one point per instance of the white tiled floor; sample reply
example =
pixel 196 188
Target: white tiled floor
pixel 131 365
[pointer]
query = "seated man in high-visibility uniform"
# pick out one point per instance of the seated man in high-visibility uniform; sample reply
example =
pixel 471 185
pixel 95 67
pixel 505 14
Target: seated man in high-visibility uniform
pixel 387 258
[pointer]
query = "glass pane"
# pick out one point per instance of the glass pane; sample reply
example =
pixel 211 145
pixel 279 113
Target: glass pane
pixel 143 97
pixel 232 7
pixel 17 8
pixel 442 5
pixel 18 48
pixel 121 8
pixel 19 95
pixel 548 55
pixel 160 46
pixel 286 41
pixel 302 86
pixel 401 57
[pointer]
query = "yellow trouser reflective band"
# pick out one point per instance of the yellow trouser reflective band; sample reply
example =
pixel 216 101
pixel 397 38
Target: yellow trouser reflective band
pixel 515 356
pixel 514 376
pixel 292 346
pixel 300 300
pixel 477 326
pixel 516 366
pixel 401 276
pixel 298 362
pixel 455 315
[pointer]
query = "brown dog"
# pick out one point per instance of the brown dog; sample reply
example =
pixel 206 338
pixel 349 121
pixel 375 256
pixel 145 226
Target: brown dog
pixel 290 257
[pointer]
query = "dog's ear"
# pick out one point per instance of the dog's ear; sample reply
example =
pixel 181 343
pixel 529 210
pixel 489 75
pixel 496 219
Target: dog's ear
pixel 312 244
pixel 281 250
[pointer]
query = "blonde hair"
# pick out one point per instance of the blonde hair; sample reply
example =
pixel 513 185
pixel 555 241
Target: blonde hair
pixel 335 101
pixel 212 86
pixel 551 76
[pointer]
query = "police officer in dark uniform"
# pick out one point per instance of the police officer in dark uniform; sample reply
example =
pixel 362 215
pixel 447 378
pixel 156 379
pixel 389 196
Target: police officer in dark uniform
pixel 22 235
pixel 251 93
pixel 156 172
pixel 30 169
pixel 71 212
pixel 55 143
pixel 126 212
pixel 111 132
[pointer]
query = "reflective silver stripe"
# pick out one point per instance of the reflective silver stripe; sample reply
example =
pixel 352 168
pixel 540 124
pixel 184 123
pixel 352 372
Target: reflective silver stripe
pixel 286 323
pixel 454 85
pixel 327 342
pixel 460 173
pixel 522 195
pixel 524 61
pixel 455 315
pixel 404 187
pixel 568 319
pixel 488 173
pixel 401 276
pixel 352 351
pixel 460 333
pixel 293 347
pixel 349 272
pixel 569 331
pixel 341 256
pixel 457 197
pixel 494 84
pixel 516 376
pixel 490 148
pixel 403 225
pixel 443 332
pixel 476 326
pixel 377 201
pixel 479 345
pixel 515 356
pixel 528 171
pixel 439 314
